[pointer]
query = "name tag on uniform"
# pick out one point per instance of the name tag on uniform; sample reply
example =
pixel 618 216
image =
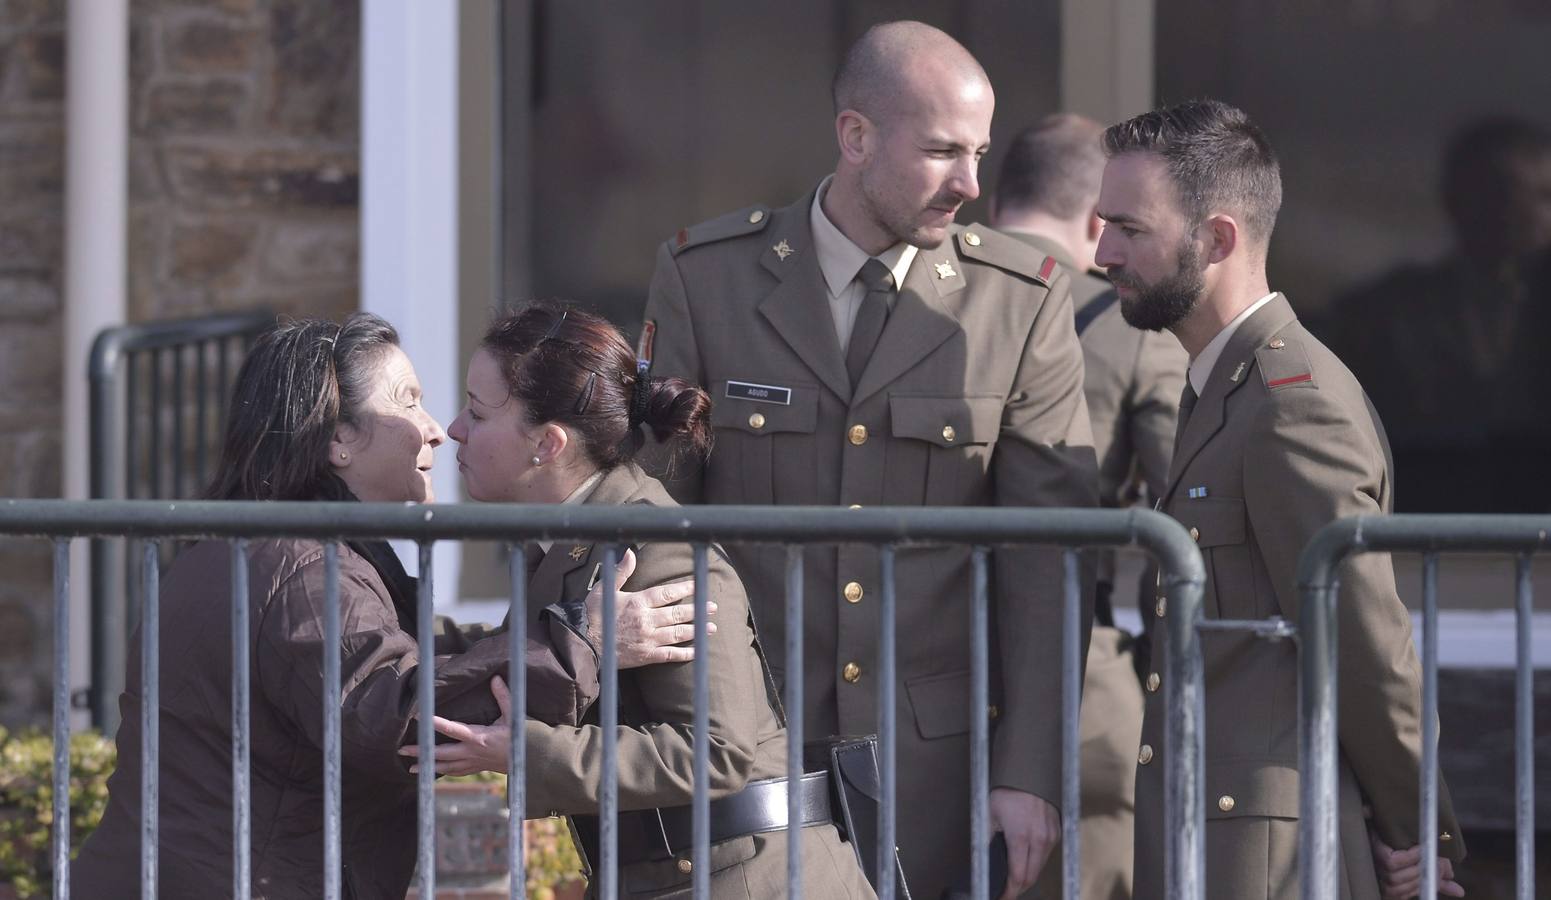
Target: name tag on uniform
pixel 762 393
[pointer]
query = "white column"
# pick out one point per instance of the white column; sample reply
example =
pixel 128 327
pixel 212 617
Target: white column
pixel 409 223
pixel 96 222
pixel 1107 68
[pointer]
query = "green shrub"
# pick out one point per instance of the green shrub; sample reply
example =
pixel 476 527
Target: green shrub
pixel 27 802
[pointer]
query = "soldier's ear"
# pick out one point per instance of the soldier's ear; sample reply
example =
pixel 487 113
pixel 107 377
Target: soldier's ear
pixel 1221 234
pixel 852 132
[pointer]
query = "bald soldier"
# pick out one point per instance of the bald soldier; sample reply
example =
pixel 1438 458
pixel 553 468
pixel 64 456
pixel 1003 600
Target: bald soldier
pixel 862 349
pixel 1047 196
pixel 1276 439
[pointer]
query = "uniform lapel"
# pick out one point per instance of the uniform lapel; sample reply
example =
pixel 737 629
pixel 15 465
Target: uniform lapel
pixel 798 308
pixel 561 575
pixel 920 320
pixel 1211 410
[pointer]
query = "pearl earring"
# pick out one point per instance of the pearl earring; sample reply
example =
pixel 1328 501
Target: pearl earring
pixel 343 455
pixel 537 462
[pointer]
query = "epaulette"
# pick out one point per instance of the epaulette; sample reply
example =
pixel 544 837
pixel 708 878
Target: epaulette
pixel 993 248
pixel 1284 364
pixel 734 224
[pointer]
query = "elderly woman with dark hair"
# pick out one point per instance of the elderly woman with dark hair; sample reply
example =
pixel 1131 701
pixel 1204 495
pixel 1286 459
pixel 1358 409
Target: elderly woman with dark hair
pixel 320 412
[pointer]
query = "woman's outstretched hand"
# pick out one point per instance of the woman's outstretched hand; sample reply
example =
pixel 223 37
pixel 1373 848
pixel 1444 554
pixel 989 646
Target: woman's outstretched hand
pixel 647 623
pixel 479 748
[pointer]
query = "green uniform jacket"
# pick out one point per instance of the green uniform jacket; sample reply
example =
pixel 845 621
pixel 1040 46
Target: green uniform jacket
pixel 656 734
pixel 1284 441
pixel 972 397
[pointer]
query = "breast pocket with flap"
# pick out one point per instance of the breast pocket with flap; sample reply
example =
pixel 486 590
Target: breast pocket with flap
pixel 1220 528
pixel 760 444
pixel 944 447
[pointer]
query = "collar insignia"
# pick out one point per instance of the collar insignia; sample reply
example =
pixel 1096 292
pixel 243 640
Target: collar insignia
pixel 577 553
pixel 783 249
pixel 945 270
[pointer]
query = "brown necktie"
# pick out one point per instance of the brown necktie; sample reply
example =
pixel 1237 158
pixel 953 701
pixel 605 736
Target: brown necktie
pixel 870 318
pixel 1187 403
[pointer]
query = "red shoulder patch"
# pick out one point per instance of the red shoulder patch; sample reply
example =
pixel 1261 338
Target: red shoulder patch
pixel 682 237
pixel 1047 268
pixel 1292 379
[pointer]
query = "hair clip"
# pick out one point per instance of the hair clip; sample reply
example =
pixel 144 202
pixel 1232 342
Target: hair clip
pixel 641 395
pixel 554 329
pixel 585 399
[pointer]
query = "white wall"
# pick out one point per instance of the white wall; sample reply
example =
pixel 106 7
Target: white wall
pixel 409 223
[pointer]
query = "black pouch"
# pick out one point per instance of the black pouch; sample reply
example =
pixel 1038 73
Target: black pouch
pixel 855 787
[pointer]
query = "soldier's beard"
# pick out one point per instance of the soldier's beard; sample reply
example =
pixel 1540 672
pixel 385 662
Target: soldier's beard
pixel 1166 303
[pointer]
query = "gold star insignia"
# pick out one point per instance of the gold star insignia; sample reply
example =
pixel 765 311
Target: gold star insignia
pixel 945 270
pixel 577 553
pixel 783 249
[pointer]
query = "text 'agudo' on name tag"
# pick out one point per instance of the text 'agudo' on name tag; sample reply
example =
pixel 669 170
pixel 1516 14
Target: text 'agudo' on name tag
pixel 764 393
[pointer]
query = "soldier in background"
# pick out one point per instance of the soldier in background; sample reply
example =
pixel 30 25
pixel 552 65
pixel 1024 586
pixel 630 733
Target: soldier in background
pixel 1046 196
pixel 863 350
pixel 1454 352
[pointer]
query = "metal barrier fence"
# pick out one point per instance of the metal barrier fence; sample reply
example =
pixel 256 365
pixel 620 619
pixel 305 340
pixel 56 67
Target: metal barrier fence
pixel 1318 580
pixel 981 529
pixel 158 396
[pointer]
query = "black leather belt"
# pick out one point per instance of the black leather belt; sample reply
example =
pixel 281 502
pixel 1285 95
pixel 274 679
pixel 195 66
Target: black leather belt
pixel 657 834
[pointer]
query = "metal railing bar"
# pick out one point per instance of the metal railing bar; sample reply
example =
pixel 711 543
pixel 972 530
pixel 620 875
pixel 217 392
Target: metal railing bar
pixel 608 696
pixel 1273 629
pixel 1071 702
pixel 61 719
pixel 1524 734
pixel 1318 859
pixel 223 377
pixel 794 718
pixel 1429 786
pixel 154 458
pixel 201 417
pixel 425 701
pixel 980 727
pixel 173 332
pixel 150 719
pixel 131 425
pixel 331 701
pixel 177 421
pixel 700 857
pixel 502 522
pixel 1182 577
pixel 517 758
pixel 887 834
pixel 242 745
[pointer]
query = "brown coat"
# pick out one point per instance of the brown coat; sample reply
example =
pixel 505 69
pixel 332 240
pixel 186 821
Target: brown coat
pixel 1284 441
pixel 656 733
pixel 972 397
pixel 379 671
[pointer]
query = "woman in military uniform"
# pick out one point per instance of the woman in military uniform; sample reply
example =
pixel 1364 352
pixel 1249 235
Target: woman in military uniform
pixel 556 410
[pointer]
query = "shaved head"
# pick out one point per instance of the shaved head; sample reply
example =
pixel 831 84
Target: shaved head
pixel 1053 167
pixel 896 63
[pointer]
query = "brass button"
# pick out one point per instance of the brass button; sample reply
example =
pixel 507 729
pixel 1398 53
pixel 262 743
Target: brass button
pixel 1277 344
pixel 1161 607
pixel 757 420
pixel 854 506
pixel 1225 803
pixel 1152 683
pixel 857 434
pixel 971 238
pixel 1195 534
pixel 852 672
pixel 948 434
pixel 685 866
pixel 853 593
pixel 1145 756
pixel 1445 837
pixel 993 712
pixel 755 218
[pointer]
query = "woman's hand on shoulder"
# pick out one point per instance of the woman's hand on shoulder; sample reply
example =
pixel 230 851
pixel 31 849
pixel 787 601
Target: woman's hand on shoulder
pixel 648 623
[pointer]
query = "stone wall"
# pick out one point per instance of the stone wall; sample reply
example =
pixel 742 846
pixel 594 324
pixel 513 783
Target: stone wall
pixel 244 180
